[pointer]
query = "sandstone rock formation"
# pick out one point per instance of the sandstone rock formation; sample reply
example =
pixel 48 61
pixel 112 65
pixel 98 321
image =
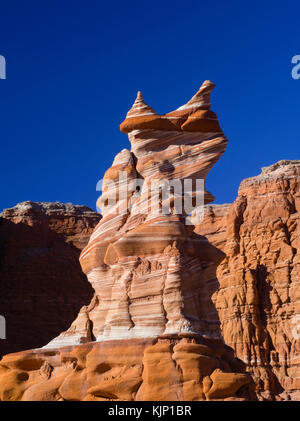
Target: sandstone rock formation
pixel 258 305
pixel 258 301
pixel 151 331
pixel 149 270
pixel 41 284
pixel 179 368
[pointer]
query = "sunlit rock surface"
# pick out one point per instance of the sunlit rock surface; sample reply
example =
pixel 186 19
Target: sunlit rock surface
pixel 258 301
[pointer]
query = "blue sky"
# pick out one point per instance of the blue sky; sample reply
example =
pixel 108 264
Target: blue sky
pixel 73 70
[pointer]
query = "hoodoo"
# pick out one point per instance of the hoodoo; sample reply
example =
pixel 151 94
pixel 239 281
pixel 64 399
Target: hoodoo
pixel 146 267
pixel 151 331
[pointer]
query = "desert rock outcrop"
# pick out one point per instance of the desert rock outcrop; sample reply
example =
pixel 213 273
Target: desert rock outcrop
pixel 258 300
pixel 150 271
pixel 162 369
pixel 42 286
pixel 151 331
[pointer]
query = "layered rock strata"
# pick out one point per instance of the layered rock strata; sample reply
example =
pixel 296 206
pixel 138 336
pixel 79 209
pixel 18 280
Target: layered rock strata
pixel 42 286
pixel 152 330
pixel 150 271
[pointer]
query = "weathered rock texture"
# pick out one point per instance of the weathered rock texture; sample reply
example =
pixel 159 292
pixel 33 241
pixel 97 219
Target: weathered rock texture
pixel 258 301
pixel 151 273
pixel 168 295
pixel 42 286
pixel 137 369
pixel 156 330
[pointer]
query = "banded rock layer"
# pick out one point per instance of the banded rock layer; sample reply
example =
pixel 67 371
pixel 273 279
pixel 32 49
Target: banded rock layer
pixel 150 271
pixel 151 331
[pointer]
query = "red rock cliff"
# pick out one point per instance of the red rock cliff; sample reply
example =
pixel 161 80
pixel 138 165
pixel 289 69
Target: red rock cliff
pixel 41 283
pixel 258 300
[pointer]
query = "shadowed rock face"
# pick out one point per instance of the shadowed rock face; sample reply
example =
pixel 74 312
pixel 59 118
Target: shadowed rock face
pixel 41 284
pixel 258 301
pixel 151 331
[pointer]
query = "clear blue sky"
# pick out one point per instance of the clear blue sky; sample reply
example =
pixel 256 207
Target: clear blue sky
pixel 74 67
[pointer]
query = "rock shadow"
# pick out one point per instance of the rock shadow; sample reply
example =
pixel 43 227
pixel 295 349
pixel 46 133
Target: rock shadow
pixel 42 287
